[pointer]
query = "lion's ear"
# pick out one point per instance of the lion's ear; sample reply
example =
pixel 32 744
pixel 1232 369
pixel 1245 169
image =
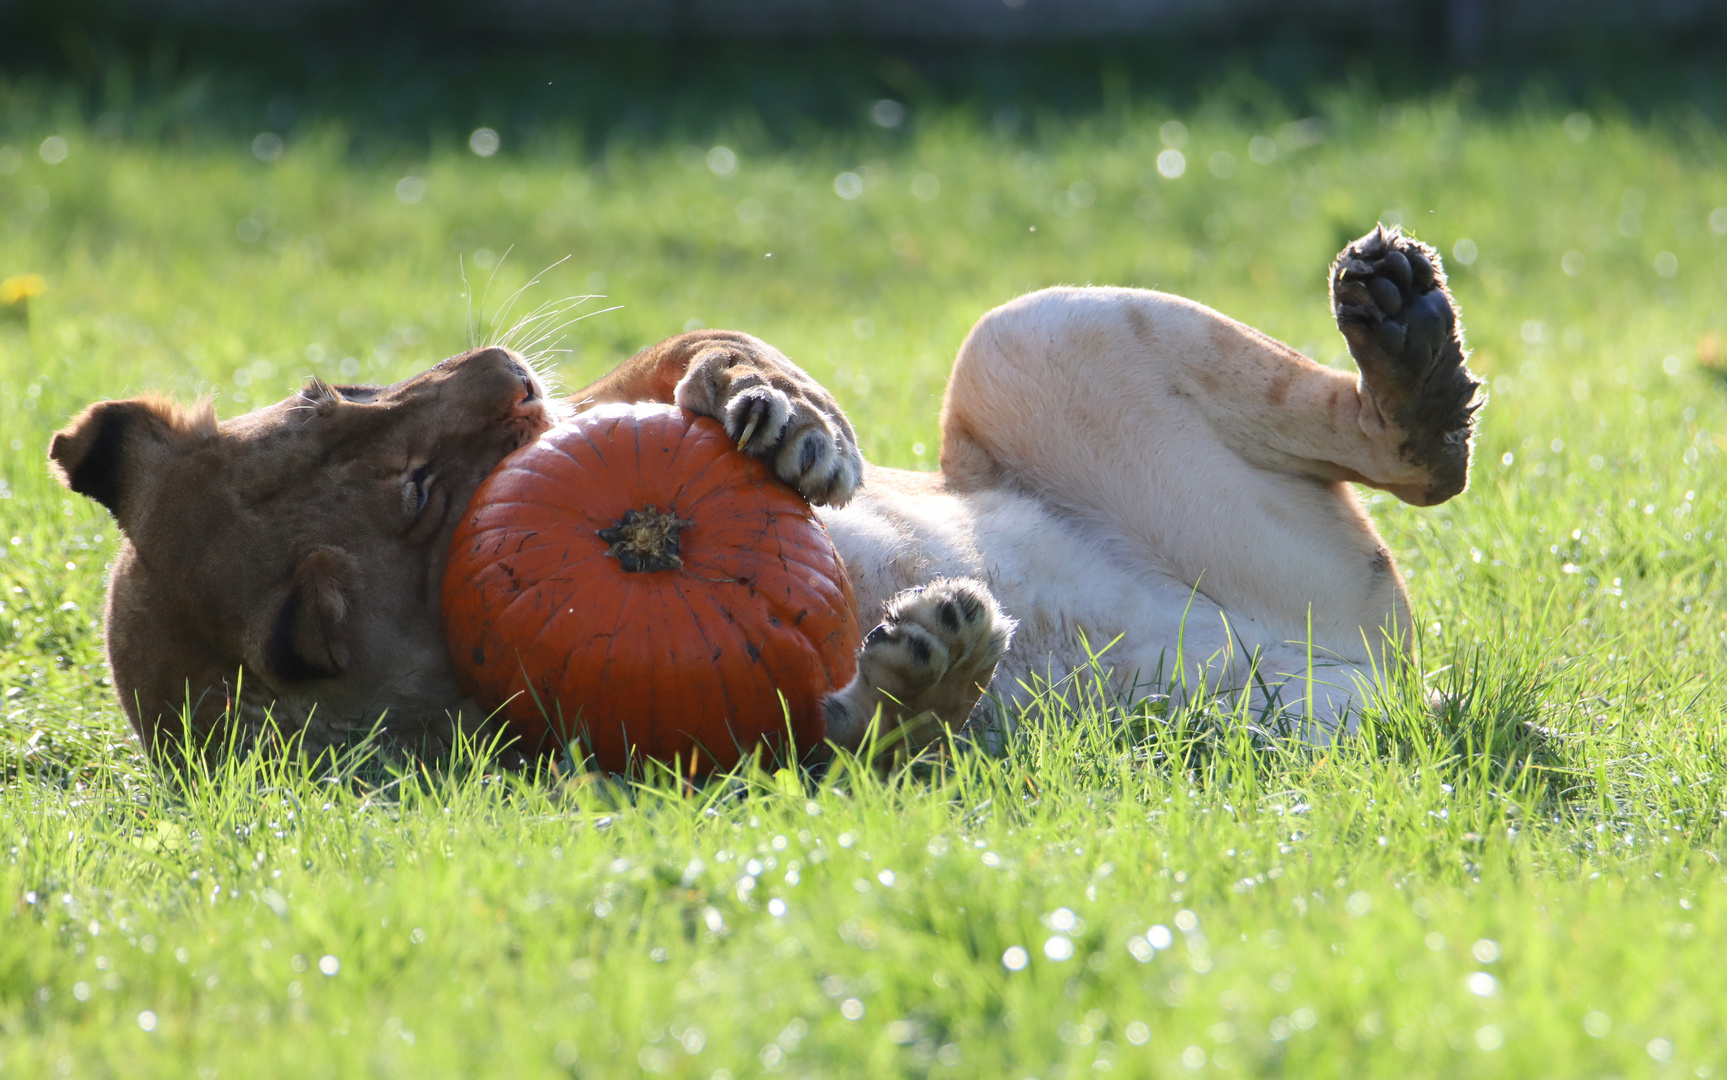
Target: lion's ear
pixel 310 636
pixel 112 448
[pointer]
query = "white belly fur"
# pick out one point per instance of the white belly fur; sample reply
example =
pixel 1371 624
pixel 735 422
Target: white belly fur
pixel 1073 587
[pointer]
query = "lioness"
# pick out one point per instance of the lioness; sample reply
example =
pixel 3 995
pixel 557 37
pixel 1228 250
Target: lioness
pixel 1117 466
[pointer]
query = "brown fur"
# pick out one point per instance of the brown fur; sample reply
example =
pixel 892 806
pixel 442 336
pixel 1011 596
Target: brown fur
pixel 279 563
pixel 280 571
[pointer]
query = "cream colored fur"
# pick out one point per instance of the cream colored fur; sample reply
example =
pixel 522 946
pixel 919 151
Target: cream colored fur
pixel 1133 468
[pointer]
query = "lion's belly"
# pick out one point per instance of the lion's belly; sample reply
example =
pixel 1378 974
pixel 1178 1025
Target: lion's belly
pixel 1073 595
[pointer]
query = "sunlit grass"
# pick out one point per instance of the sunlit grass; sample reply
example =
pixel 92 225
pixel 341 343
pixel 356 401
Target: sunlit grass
pixel 1527 883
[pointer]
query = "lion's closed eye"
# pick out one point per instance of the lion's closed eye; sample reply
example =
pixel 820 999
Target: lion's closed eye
pixel 417 490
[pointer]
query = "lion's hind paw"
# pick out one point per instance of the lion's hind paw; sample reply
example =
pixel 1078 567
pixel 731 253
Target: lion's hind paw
pixel 1392 285
pixel 1388 292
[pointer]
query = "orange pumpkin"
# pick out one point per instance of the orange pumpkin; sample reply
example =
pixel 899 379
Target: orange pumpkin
pixel 633 582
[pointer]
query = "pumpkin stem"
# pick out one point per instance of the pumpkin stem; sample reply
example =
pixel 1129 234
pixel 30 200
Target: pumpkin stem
pixel 646 540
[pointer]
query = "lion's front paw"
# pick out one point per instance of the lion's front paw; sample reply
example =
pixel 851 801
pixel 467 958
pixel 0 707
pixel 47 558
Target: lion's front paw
pixel 1388 293
pixel 798 438
pixel 931 657
pixel 776 413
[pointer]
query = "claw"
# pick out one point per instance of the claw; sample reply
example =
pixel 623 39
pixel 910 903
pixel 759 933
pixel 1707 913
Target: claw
pixel 749 429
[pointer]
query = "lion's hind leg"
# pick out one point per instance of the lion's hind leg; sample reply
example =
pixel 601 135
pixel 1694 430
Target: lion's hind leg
pixel 1389 295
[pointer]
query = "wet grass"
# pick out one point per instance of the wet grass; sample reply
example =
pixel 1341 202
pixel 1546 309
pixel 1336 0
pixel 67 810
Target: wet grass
pixel 1527 883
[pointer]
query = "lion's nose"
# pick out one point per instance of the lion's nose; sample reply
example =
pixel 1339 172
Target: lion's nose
pixel 530 385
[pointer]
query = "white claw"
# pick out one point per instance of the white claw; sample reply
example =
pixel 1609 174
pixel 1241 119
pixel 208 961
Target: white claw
pixel 749 429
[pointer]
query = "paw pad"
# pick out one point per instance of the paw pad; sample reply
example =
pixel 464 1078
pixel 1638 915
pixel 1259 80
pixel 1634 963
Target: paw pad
pixel 1388 293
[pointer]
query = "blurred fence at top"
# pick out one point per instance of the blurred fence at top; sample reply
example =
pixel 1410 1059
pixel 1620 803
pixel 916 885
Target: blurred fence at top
pixel 1465 28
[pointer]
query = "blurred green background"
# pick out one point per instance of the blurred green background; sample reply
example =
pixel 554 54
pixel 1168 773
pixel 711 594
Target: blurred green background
pixel 195 212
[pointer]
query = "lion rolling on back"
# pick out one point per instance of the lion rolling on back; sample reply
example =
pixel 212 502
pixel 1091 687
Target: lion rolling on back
pixel 1116 465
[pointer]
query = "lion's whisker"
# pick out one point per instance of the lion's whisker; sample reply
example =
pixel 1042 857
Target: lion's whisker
pixel 537 349
pixel 468 295
pixel 490 279
pixel 551 309
pixel 543 329
pixel 509 304
pixel 536 334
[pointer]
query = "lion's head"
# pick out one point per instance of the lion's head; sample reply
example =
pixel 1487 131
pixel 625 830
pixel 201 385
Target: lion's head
pixel 287 562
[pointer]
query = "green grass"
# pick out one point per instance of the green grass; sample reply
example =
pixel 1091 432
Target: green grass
pixel 1328 912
